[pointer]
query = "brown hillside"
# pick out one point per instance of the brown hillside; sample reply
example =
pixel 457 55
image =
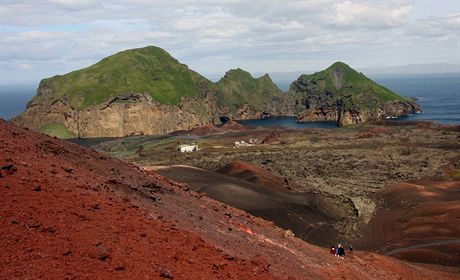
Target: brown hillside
pixel 255 174
pixel 418 222
pixel 68 212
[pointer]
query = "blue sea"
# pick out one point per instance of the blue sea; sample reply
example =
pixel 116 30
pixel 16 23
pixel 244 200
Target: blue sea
pixel 439 96
pixel 288 122
pixel 14 99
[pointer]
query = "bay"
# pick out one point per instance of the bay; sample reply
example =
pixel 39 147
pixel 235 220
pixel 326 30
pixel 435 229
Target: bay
pixel 287 122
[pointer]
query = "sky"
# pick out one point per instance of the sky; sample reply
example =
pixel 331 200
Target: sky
pixel 42 38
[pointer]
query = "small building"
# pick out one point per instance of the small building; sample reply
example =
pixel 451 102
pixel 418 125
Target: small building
pixel 185 148
pixel 243 143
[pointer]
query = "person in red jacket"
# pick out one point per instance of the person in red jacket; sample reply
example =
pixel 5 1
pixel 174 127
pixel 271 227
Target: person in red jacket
pixel 332 250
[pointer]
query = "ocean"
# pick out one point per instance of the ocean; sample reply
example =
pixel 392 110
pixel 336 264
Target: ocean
pixel 14 99
pixel 439 96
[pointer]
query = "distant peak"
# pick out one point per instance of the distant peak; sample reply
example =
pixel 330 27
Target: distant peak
pixel 148 50
pixel 265 76
pixel 238 72
pixel 339 64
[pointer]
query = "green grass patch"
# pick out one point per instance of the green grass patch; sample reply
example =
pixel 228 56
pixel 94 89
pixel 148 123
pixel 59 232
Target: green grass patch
pixel 150 69
pixel 342 82
pixel 238 87
pixel 57 129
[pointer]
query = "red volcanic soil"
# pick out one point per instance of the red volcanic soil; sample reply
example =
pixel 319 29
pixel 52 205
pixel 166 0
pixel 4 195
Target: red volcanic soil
pixel 273 137
pixel 374 131
pixel 232 125
pixel 212 129
pixel 255 174
pixel 422 217
pixel 67 212
pixel 204 130
pixel 421 124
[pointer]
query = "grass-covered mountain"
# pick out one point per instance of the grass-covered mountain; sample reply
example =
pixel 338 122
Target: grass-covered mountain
pixel 345 82
pixel 238 89
pixel 137 91
pixel 147 91
pixel 142 91
pixel 343 94
pixel 151 70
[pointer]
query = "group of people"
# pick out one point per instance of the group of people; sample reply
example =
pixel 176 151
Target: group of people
pixel 340 251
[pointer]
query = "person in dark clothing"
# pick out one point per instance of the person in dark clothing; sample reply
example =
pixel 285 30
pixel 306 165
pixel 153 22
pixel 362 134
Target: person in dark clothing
pixel 350 248
pixel 332 250
pixel 340 251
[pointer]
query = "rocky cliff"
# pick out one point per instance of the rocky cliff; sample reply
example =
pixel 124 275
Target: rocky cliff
pixel 341 94
pixel 126 114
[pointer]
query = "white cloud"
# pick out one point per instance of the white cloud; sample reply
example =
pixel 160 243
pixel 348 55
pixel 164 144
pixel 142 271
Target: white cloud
pixel 370 15
pixel 443 28
pixel 448 22
pixel 73 5
pixel 25 66
pixel 53 36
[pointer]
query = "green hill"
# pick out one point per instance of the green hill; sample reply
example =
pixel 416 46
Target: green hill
pixel 150 69
pixel 66 105
pixel 238 87
pixel 341 83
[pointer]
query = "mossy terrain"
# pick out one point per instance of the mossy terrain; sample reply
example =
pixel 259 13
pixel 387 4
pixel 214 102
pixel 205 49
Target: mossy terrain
pixel 238 87
pixel 58 130
pixel 341 83
pixel 150 69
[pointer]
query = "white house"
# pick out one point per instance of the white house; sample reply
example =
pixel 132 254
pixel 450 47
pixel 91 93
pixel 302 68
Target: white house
pixel 243 143
pixel 187 148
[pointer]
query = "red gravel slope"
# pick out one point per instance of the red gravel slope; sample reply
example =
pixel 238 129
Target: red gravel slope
pixel 422 216
pixel 70 213
pixel 255 174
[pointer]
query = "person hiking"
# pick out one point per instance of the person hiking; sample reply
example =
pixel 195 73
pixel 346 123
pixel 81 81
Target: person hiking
pixel 340 251
pixel 332 250
pixel 350 248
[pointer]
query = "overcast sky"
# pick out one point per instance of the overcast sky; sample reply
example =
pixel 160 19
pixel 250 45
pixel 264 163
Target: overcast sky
pixel 43 38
